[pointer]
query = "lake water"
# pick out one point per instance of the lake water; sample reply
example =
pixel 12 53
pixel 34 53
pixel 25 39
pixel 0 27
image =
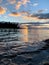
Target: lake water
pixel 29 34
pixel 22 38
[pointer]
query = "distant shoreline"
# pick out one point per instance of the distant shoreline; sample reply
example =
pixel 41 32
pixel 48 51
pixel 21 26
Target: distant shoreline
pixel 9 25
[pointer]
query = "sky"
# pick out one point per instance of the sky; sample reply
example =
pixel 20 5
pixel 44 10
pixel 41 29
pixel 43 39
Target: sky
pixel 24 11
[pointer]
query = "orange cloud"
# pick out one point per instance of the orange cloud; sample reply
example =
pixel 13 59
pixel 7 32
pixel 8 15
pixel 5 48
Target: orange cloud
pixel 25 1
pixel 15 14
pixel 18 5
pixel 30 18
pixel 2 10
pixel 22 13
pixel 12 1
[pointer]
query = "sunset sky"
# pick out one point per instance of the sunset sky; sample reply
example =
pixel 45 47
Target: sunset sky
pixel 24 10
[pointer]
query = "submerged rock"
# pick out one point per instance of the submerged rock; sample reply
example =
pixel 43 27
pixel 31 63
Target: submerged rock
pixel 47 40
pixel 46 64
pixel 47 44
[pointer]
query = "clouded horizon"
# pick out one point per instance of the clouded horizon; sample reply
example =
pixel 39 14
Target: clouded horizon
pixel 24 10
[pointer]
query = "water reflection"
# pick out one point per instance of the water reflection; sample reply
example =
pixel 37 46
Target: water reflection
pixel 24 33
pixel 34 33
pixel 29 34
pixel 11 42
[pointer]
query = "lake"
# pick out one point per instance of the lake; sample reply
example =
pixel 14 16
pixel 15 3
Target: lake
pixel 29 33
pixel 19 40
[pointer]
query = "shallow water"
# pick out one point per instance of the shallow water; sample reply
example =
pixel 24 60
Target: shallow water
pixel 13 41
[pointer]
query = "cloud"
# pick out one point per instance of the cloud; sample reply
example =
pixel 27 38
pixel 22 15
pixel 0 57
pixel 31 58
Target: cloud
pixel 31 17
pixel 15 14
pixel 25 2
pixel 46 9
pixel 42 10
pixel 12 1
pixel 37 17
pixel 2 10
pixel 35 4
pixel 0 1
pixel 18 5
pixel 24 13
pixel 41 16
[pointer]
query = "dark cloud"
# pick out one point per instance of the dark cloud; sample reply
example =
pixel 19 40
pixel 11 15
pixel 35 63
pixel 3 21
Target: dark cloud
pixel 14 14
pixel 41 16
pixel 37 17
pixel 42 10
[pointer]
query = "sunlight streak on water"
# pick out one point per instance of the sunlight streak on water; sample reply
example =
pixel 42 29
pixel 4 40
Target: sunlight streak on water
pixel 25 40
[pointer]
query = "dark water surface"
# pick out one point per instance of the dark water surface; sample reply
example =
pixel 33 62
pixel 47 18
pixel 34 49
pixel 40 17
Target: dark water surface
pixel 13 41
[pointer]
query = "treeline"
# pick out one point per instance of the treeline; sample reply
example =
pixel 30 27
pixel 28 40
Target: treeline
pixel 9 25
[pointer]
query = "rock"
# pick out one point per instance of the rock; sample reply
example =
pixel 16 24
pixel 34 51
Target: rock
pixel 46 64
pixel 47 40
pixel 47 44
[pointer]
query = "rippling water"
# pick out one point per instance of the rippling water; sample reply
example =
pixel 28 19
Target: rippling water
pixel 34 33
pixel 19 40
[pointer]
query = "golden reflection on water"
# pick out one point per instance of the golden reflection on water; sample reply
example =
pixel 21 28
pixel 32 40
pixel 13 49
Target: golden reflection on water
pixel 24 33
pixel 37 34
